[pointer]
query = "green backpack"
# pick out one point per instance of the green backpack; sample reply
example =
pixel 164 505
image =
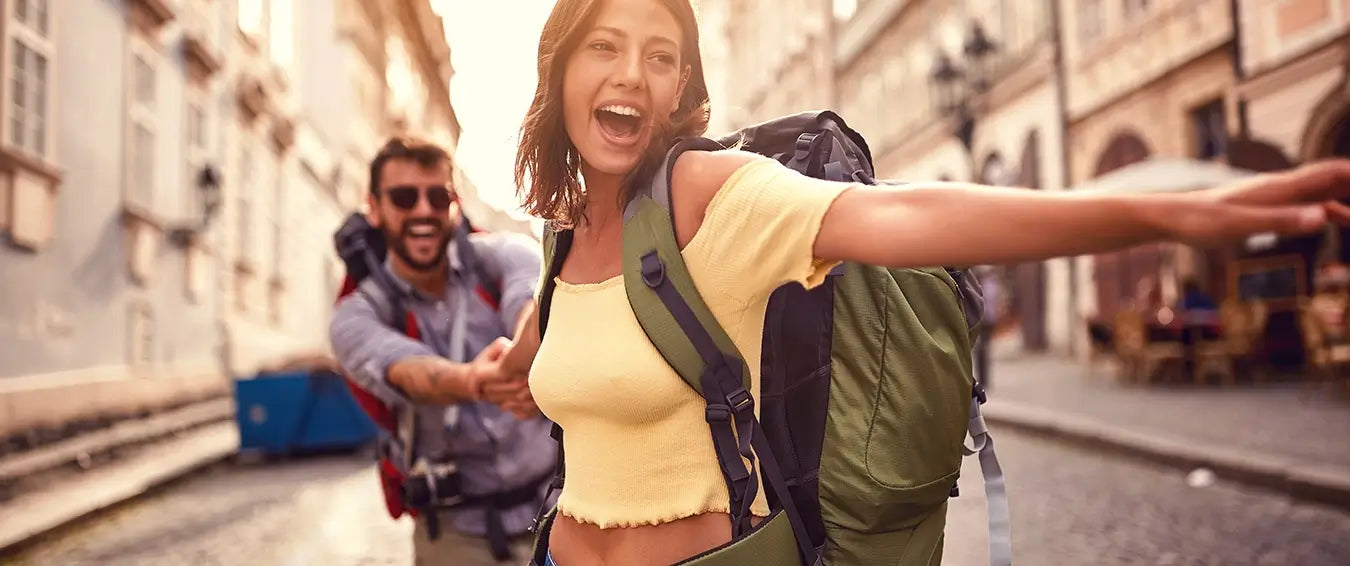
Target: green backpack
pixel 867 392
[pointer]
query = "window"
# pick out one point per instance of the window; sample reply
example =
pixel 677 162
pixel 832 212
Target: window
pixel 194 153
pixel 844 9
pixel 141 138
pixel 251 17
pixel 276 216
pixel 244 218
pixel 140 334
pixel 894 118
pixel 1210 130
pixel 1089 21
pixel 29 97
pixel 196 127
pixel 1134 8
pixel 281 35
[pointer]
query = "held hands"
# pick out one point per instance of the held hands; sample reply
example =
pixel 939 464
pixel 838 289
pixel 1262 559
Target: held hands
pixel 1294 202
pixel 499 384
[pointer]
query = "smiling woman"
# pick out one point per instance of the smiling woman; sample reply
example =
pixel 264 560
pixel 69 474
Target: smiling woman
pixel 612 86
pixel 646 483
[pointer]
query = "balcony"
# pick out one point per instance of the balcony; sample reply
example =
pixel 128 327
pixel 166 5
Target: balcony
pixel 151 15
pixel 252 95
pixel 283 132
pixel 200 48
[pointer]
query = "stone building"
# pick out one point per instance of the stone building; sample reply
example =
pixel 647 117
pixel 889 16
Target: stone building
pixel 1293 99
pixel 878 60
pixel 171 173
pixel 778 59
pixel 1145 79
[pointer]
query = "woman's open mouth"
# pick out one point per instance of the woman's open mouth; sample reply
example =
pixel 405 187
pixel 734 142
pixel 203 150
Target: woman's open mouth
pixel 620 124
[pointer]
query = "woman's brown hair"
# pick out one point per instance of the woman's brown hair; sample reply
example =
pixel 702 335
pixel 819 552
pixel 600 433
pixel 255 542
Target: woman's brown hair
pixel 547 156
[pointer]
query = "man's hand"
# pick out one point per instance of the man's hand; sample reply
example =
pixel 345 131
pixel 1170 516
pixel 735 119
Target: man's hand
pixel 486 368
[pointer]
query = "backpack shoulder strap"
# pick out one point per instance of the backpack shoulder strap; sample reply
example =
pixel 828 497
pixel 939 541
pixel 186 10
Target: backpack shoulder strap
pixel 660 291
pixel 387 304
pixel 556 243
pixel 678 322
pixel 486 272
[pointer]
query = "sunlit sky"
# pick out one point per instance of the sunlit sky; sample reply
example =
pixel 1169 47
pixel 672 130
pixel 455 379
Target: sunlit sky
pixel 492 46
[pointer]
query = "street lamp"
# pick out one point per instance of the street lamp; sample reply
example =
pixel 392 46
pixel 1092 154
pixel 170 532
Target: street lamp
pixel 954 87
pixel 208 185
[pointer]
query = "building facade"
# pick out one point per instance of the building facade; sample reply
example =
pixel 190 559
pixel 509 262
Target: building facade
pixel 1072 90
pixel 1295 76
pixel 167 219
pixel 778 59
pixel 1145 79
pixel 885 60
pixel 311 105
pixel 107 306
pixel 713 18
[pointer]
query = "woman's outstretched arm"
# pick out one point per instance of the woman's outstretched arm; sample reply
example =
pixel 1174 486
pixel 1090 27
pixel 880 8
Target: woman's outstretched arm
pixel 962 224
pixel 965 224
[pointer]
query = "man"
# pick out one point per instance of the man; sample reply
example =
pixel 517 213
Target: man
pixel 467 412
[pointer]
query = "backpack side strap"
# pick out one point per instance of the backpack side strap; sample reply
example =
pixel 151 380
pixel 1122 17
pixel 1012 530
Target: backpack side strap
pixel 995 491
pixel 556 245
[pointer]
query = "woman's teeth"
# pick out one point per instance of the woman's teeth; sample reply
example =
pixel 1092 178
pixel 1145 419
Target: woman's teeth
pixel 622 110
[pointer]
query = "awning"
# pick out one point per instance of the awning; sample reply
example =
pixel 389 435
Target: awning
pixel 1164 174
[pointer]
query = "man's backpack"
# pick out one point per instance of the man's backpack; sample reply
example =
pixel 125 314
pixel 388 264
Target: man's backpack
pixel 362 249
pixel 867 391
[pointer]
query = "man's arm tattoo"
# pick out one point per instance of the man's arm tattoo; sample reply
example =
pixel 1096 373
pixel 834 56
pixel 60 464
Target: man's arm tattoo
pixel 434 384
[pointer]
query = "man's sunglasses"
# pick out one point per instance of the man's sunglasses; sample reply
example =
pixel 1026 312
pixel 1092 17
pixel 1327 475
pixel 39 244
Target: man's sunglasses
pixel 405 197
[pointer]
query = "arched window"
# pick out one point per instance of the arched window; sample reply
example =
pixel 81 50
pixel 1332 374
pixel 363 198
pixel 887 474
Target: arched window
pixel 1125 148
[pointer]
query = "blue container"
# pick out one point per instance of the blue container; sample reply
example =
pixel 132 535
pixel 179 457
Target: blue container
pixel 285 413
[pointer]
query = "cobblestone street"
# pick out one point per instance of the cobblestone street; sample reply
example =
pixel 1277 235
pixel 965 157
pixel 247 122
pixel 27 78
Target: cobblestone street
pixel 318 511
pixel 1069 506
pixel 1072 506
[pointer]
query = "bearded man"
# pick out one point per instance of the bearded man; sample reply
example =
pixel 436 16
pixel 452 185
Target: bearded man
pixel 474 435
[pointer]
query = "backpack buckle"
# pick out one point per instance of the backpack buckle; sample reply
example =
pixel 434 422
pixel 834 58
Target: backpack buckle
pixel 717 414
pixel 740 399
pixel 653 270
pixel 978 392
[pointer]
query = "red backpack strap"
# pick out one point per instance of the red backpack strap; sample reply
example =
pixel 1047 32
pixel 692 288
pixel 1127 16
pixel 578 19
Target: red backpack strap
pixel 381 414
pixel 487 296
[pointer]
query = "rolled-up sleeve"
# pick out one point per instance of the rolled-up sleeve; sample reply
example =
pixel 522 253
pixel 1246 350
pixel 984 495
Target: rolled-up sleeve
pixel 519 258
pixel 366 347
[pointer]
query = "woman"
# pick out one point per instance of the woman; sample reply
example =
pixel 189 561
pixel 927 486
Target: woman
pixel 618 79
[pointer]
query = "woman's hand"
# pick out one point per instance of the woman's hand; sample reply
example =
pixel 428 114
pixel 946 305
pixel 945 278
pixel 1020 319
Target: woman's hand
pixel 1293 202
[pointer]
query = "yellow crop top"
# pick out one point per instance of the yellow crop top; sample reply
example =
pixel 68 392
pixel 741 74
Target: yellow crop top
pixel 637 447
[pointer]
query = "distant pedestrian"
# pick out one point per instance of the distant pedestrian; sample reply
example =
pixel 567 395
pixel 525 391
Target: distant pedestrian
pixel 990 285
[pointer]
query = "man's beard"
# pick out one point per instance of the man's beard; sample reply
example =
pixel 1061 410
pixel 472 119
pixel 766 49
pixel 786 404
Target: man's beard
pixel 399 244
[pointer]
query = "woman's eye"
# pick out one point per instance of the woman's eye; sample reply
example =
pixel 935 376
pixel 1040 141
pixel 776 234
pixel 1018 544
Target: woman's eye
pixel 602 46
pixel 664 58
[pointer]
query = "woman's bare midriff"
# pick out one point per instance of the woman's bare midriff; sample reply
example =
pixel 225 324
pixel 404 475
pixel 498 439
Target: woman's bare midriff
pixel 573 543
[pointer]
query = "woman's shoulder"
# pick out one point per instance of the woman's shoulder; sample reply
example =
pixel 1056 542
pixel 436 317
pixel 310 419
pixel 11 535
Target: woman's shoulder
pixel 697 176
